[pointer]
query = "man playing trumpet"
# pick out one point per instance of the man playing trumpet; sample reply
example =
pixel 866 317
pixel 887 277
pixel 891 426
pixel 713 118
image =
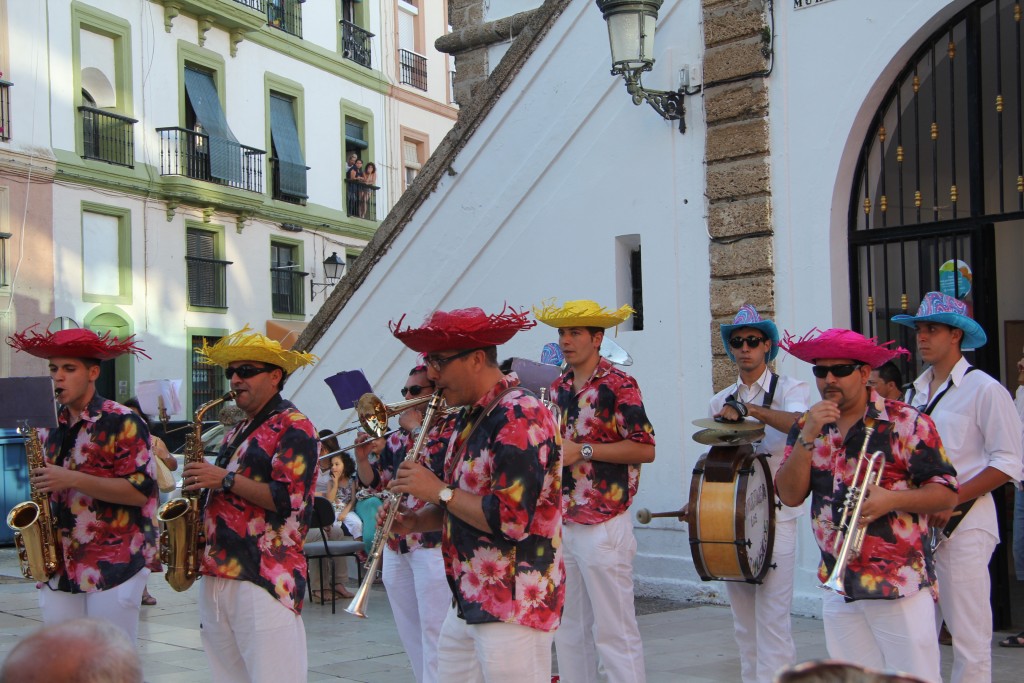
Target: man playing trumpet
pixel 883 617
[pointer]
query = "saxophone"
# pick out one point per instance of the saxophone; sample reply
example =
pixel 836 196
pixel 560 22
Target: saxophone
pixel 181 535
pixel 35 535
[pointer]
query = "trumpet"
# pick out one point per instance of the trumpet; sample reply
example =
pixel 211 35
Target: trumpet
pixel 850 538
pixel 358 604
pixel 373 416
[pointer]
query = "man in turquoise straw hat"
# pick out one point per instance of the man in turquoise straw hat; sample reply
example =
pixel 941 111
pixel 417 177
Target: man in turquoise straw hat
pixel 606 436
pixel 761 613
pixel 981 431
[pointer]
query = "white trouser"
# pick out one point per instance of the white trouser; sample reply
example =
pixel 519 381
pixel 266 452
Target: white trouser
pixel 961 564
pixel 599 621
pixel 118 605
pixel 896 635
pixel 420 598
pixel 492 653
pixel 761 614
pixel 248 636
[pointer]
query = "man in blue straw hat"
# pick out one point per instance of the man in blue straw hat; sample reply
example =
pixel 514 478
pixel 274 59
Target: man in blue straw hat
pixel 981 432
pixel 761 612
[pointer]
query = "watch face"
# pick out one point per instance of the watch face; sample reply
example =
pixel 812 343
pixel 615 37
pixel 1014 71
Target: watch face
pixel 587 451
pixel 445 496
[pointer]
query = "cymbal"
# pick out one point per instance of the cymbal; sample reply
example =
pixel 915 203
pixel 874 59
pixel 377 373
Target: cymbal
pixel 713 437
pixel 742 426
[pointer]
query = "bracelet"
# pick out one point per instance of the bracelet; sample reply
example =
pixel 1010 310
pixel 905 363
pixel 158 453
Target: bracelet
pixel 808 445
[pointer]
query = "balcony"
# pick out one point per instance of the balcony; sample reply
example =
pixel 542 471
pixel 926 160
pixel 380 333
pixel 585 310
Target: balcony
pixel 108 137
pixel 355 43
pixel 5 109
pixel 361 200
pixel 207 282
pixel 412 69
pixel 287 291
pixel 285 15
pixel 188 153
pixel 276 190
pixel 258 5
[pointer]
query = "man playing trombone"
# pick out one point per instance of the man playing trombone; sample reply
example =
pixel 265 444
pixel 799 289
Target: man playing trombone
pixel 879 613
pixel 413 568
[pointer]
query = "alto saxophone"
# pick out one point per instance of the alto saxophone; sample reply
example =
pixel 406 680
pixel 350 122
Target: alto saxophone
pixel 182 528
pixel 35 535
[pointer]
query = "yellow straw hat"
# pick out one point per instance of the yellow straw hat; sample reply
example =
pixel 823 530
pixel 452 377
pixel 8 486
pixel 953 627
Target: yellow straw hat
pixel 580 313
pixel 248 345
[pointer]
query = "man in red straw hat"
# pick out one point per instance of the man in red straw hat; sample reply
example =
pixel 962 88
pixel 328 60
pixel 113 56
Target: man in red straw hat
pixel 101 480
pixel 882 616
pixel 498 505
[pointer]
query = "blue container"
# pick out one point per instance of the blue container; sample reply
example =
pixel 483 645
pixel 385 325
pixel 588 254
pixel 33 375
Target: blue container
pixel 15 479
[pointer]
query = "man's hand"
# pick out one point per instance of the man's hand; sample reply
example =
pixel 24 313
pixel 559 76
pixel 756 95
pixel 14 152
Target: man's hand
pixel 878 503
pixel 729 413
pixel 411 419
pixel 202 475
pixel 417 481
pixel 940 519
pixel 404 522
pixel 364 446
pixel 571 452
pixel 819 415
pixel 53 478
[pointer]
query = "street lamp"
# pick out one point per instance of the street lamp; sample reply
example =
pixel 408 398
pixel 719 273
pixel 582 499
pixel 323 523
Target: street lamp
pixel 631 37
pixel 334 268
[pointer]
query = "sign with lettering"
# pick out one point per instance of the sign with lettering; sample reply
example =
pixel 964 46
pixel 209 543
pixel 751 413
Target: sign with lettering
pixel 804 4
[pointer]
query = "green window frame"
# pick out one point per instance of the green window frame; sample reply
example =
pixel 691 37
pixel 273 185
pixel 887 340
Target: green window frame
pixel 124 254
pixel 287 279
pixel 274 85
pixel 213 272
pixel 205 382
pixel 354 114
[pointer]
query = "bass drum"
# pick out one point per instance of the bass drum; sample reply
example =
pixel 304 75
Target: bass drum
pixel 732 515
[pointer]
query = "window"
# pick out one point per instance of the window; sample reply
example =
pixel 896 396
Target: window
pixel 629 277
pixel 412 65
pixel 286 278
pixel 285 15
pixel 289 177
pixel 355 39
pixel 206 270
pixel 208 381
pixel 4 237
pixel 106 254
pixel 361 181
pixel 412 158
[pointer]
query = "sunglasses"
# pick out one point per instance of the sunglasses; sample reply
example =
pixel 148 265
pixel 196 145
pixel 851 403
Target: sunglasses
pixel 844 370
pixel 439 363
pixel 414 390
pixel 753 341
pixel 245 371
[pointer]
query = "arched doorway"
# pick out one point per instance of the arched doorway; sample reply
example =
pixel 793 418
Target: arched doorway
pixel 116 379
pixel 939 192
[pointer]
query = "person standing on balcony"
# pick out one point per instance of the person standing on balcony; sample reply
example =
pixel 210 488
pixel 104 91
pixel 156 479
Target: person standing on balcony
pixel 353 182
pixel 366 190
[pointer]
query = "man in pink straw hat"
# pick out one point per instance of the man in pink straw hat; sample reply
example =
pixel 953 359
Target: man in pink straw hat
pixel 882 616
pixel 101 481
pixel 498 505
pixel 981 430
pixel 606 437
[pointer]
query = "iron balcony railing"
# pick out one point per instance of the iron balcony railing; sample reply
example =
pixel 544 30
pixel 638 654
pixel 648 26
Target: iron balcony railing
pixel 187 153
pixel 5 109
pixel 355 43
pixel 361 200
pixel 285 15
pixel 108 137
pixel 258 5
pixel 207 281
pixel 287 292
pixel 412 69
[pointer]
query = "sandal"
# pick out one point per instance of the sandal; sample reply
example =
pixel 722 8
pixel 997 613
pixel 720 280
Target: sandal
pixel 341 591
pixel 148 599
pixel 1013 641
pixel 321 596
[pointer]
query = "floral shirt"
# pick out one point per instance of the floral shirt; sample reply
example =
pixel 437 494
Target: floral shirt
pixel 893 561
pixel 514 574
pixel 104 544
pixel 247 542
pixel 609 408
pixel 391 456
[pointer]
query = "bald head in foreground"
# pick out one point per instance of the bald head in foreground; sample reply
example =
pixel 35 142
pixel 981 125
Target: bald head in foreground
pixel 90 651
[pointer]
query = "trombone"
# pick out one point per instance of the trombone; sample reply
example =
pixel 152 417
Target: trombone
pixel 373 416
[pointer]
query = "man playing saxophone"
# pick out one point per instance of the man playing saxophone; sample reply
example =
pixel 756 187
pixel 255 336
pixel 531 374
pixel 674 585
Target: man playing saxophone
pixel 255 521
pixel 884 617
pixel 101 482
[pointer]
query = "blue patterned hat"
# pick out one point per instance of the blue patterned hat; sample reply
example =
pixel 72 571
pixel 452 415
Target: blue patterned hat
pixel 748 317
pixel 942 308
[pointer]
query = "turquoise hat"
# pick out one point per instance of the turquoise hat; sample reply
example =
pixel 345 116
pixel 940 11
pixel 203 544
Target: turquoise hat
pixel 942 308
pixel 748 317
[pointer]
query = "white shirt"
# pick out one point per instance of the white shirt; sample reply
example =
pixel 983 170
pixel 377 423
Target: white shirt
pixel 791 396
pixel 979 427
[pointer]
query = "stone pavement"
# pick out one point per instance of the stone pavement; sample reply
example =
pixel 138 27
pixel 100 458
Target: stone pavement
pixel 682 642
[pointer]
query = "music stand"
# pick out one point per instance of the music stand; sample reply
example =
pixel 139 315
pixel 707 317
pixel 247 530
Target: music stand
pixel 27 400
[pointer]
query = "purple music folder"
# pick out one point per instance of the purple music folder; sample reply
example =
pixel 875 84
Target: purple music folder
pixel 348 386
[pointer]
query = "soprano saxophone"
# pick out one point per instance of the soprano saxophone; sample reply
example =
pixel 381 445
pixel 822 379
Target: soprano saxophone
pixel 35 535
pixel 182 525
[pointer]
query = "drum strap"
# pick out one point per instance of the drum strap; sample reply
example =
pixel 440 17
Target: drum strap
pixel 770 396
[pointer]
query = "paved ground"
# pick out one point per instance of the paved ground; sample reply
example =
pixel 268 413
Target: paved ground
pixel 681 642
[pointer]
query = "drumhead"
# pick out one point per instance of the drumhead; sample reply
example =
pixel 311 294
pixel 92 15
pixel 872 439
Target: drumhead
pixel 756 497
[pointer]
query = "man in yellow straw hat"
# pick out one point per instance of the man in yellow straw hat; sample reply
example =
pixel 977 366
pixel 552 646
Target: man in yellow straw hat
pixel 254 519
pixel 606 436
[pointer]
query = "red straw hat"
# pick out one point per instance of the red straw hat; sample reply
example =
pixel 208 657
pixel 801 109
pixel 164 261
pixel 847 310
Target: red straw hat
pixel 838 343
pixel 462 329
pixel 73 343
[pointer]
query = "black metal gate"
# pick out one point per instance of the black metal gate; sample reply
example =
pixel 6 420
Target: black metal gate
pixel 942 164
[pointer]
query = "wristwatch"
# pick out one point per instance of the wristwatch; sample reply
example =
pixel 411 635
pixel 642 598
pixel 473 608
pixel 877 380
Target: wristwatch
pixel 587 452
pixel 445 497
pixel 228 482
